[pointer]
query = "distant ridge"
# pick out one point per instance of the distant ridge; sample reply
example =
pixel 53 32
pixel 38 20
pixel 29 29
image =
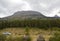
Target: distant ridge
pixel 56 16
pixel 26 15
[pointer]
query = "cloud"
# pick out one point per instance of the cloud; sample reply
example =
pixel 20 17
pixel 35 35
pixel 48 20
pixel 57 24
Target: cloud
pixel 43 5
pixel 46 7
pixel 8 7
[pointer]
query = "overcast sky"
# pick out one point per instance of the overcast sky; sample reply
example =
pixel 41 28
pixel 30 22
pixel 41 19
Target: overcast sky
pixel 46 7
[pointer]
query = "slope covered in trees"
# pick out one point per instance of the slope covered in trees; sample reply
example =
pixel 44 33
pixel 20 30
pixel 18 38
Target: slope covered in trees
pixel 39 23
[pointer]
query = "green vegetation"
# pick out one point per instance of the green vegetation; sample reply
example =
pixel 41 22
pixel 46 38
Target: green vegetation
pixel 17 34
pixel 27 31
pixel 39 23
pixel 56 37
pixel 25 37
pixel 14 38
pixel 2 37
pixel 30 28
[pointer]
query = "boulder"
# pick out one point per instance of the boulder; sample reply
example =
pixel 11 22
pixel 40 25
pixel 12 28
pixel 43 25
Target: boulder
pixel 26 38
pixel 40 38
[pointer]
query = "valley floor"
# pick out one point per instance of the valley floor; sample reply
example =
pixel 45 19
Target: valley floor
pixel 34 32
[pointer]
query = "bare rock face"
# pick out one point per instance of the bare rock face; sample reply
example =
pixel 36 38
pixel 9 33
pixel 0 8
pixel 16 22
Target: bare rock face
pixel 40 38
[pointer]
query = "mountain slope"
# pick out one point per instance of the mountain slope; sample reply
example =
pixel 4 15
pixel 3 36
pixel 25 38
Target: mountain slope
pixel 26 15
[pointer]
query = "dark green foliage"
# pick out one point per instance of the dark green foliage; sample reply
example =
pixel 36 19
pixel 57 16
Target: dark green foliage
pixel 39 23
pixel 2 37
pixel 26 37
pixel 55 38
pixel 27 31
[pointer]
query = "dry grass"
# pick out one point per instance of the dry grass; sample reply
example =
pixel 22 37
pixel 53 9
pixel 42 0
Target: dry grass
pixel 34 32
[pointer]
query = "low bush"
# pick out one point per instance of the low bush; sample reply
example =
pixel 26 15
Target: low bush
pixel 2 37
pixel 55 38
pixel 22 38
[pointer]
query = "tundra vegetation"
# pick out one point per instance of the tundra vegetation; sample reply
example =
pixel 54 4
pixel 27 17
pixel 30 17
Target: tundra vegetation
pixel 29 29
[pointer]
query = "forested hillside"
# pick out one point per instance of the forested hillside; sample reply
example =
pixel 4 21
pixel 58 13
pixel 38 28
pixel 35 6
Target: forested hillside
pixel 39 23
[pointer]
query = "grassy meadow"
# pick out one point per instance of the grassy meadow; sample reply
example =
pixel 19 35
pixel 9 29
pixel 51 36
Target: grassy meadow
pixel 33 32
pixel 49 28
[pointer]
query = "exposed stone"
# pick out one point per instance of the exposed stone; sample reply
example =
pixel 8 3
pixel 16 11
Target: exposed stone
pixel 26 38
pixel 40 38
pixel 6 33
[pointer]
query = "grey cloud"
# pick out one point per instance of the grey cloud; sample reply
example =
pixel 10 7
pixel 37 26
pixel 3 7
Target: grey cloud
pixel 51 5
pixel 8 8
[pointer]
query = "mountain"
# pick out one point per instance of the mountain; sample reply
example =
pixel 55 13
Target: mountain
pixel 26 15
pixel 56 16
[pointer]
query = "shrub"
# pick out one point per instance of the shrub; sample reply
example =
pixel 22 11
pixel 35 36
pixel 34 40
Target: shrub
pixel 39 23
pixel 2 37
pixel 14 38
pixel 55 38
pixel 18 39
pixel 27 31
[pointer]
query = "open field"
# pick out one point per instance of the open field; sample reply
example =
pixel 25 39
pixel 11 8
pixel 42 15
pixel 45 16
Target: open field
pixel 34 32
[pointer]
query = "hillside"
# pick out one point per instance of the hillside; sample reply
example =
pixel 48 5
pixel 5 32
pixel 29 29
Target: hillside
pixel 25 15
pixel 21 15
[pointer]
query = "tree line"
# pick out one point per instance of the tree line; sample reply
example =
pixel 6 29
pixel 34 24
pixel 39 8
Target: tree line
pixel 39 23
